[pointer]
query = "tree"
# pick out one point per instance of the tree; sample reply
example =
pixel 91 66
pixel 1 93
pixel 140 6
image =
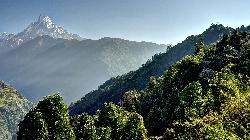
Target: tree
pixel 124 125
pixel 33 127
pixel 85 129
pixel 199 47
pixel 49 119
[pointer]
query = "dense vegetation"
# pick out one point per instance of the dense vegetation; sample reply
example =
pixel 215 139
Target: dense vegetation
pixel 203 96
pixel 113 89
pixel 13 108
pixel 50 120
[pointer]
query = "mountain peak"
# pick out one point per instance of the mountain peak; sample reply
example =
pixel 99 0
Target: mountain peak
pixel 43 17
pixel 45 20
pixel 42 26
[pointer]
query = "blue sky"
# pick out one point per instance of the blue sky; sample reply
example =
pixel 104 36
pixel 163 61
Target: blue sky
pixel 160 21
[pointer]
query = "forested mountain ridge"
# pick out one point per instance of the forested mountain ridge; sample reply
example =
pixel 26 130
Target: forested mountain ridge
pixel 13 108
pixel 202 96
pixel 205 95
pixel 113 89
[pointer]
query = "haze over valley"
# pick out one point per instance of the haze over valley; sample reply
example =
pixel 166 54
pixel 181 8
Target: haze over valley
pixel 45 54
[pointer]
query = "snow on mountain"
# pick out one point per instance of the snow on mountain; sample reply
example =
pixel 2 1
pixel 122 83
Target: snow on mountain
pixel 43 26
pixel 6 36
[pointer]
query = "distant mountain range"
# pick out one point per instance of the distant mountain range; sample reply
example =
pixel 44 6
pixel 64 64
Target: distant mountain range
pixel 45 58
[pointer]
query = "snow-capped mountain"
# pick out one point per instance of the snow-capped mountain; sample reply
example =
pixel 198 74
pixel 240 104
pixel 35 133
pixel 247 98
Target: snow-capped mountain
pixel 5 36
pixel 43 26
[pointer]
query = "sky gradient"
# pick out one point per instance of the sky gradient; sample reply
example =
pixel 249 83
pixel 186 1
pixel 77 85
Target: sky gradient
pixel 159 21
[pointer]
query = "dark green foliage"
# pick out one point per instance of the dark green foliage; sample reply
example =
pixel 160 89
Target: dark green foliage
pixel 33 127
pixel 113 122
pixel 199 47
pixel 49 119
pixel 84 128
pixel 124 125
pixel 131 100
pixel 190 102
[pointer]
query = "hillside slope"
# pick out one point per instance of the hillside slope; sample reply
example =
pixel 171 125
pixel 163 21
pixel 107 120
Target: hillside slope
pixel 13 108
pixel 113 89
pixel 203 96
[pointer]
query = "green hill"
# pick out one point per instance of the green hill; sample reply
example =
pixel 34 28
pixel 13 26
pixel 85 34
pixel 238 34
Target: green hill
pixel 113 89
pixel 203 96
pixel 13 108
